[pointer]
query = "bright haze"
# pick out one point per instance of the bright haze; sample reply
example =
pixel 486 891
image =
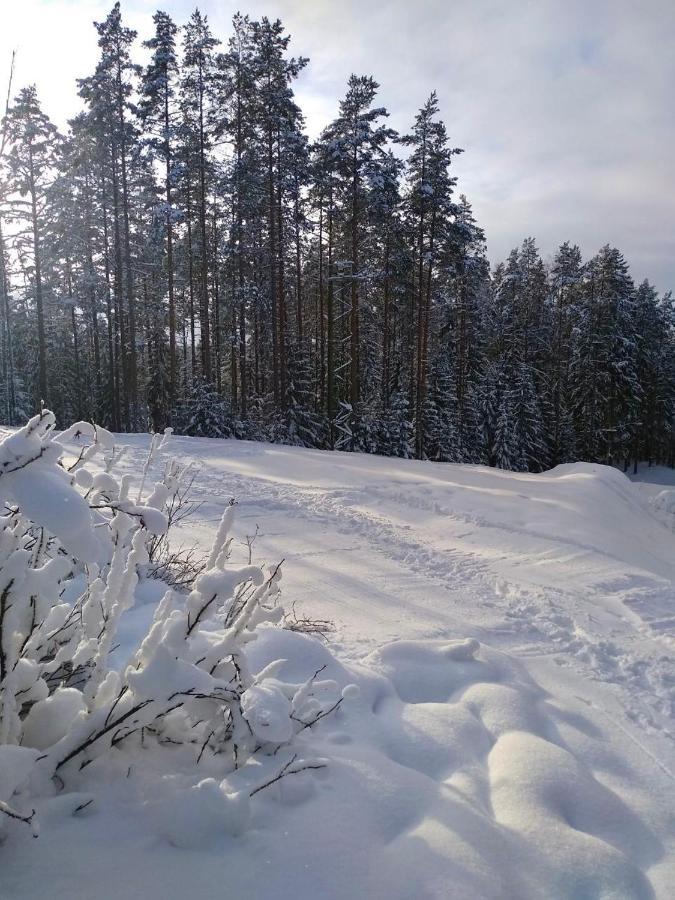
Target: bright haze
pixel 564 107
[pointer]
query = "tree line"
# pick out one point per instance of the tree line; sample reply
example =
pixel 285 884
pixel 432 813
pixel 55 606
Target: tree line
pixel 183 255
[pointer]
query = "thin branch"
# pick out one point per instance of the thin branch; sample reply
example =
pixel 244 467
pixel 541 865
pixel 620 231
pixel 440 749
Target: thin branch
pixel 201 752
pixel 317 718
pixel 13 814
pixel 287 770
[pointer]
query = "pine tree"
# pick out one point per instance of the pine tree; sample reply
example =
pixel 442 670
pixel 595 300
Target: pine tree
pixel 466 325
pixel 158 95
pixel 430 209
pixel 198 105
pixel 108 95
pixel 32 156
pixel 182 253
pixel 245 190
pixel 354 143
pixel 275 72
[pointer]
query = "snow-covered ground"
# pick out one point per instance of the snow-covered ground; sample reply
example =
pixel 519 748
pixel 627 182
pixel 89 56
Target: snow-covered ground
pixel 513 640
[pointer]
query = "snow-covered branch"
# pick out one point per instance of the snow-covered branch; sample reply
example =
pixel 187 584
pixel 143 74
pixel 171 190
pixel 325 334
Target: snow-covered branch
pixel 72 548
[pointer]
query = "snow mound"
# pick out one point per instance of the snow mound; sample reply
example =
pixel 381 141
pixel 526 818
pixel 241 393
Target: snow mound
pixel 52 718
pixel 193 818
pixel 665 501
pixel 450 773
pixel 498 784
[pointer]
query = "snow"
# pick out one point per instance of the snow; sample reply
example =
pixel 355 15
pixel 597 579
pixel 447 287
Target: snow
pixel 191 818
pixel 42 488
pixel 165 675
pixel 268 712
pixel 52 718
pixel 503 644
pixel 15 767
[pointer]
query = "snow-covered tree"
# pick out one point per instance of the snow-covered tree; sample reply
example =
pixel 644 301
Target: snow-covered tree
pixel 184 232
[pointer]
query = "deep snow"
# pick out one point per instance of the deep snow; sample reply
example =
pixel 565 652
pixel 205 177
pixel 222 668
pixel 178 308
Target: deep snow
pixel 512 639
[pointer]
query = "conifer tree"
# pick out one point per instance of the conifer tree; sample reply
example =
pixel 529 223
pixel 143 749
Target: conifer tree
pixel 430 208
pixel 198 100
pixel 157 107
pixel 183 254
pixel 31 160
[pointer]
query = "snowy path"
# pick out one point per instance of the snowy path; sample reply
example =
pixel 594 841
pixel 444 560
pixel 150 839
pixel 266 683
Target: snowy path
pixel 572 575
pixel 538 763
pixel 390 558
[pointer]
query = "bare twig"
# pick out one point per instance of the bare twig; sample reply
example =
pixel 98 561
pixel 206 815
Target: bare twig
pixel 250 541
pixel 321 715
pixel 306 625
pixel 201 752
pixel 287 770
pixel 13 814
pixel 83 806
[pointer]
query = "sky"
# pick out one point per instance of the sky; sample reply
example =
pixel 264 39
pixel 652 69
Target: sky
pixel 565 109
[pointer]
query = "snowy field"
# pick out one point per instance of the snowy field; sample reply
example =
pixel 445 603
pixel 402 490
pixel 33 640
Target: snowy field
pixel 513 735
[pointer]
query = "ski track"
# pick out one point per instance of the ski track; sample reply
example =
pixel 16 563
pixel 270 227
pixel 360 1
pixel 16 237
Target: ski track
pixel 536 622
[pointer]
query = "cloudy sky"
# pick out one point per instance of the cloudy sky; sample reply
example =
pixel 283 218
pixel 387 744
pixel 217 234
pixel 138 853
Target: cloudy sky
pixel 565 108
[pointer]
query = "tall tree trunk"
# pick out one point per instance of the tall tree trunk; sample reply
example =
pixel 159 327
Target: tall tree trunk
pixel 243 364
pixel 120 331
pixel 93 311
pixel 205 338
pixel 8 355
pixel 234 378
pixel 425 331
pixel 173 366
pixel 216 309
pixel 191 293
pixel 132 387
pixel 330 328
pixel 76 345
pixel 354 289
pixel 281 286
pixel 273 262
pixel 298 261
pixel 321 318
pixel 113 368
pixel 43 387
pixel 386 326
pixel 461 366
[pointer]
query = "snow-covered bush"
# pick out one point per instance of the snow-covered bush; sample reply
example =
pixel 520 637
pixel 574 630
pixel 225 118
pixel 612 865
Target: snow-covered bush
pixel 72 543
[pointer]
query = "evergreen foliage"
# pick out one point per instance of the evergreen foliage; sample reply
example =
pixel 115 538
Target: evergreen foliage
pixel 184 256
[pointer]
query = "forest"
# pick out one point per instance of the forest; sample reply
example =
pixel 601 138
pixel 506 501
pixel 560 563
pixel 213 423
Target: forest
pixel 183 255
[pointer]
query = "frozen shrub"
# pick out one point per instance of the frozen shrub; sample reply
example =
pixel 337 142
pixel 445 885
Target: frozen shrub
pixel 72 542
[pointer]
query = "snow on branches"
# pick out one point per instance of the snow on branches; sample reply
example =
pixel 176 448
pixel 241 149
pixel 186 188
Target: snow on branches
pixel 72 545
